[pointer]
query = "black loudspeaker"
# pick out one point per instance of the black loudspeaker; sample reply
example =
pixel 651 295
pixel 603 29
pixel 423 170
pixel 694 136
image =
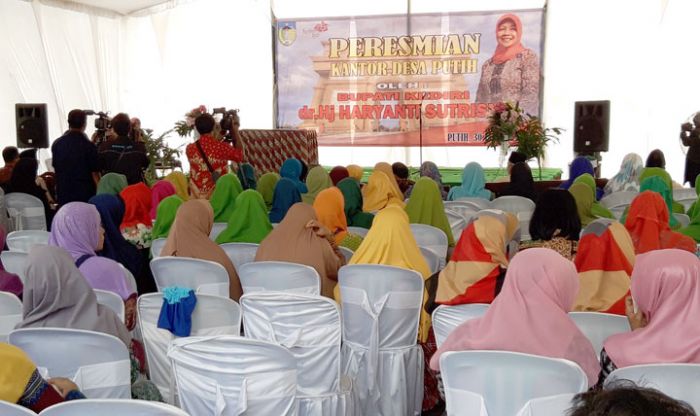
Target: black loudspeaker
pixel 591 126
pixel 32 125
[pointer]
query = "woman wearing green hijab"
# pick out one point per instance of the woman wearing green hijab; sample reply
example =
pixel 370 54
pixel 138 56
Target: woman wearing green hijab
pixel 660 185
pixel 695 208
pixel 693 229
pixel 585 204
pixel 250 224
pixel 317 180
pixel 425 207
pixel 353 204
pixel 266 187
pixel 165 216
pixel 228 187
pixel 112 184
pixel 597 210
pixel 675 207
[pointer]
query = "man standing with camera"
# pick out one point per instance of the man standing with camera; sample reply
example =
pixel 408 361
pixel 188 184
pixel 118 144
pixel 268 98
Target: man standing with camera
pixel 123 155
pixel 209 157
pixel 75 162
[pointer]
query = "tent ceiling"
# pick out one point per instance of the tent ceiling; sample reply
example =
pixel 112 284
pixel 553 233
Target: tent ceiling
pixel 121 6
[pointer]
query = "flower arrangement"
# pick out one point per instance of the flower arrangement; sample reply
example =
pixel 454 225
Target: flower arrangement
pixel 140 236
pixel 510 126
pixel 186 126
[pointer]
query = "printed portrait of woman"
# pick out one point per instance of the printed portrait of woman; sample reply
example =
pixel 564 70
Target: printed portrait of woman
pixel 513 72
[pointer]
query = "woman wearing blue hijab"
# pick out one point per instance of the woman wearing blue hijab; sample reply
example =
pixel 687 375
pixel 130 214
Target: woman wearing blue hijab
pixel 578 167
pixel 286 194
pixel 291 169
pixel 473 184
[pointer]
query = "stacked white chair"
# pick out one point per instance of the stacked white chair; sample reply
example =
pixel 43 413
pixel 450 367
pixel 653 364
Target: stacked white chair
pixel 14 262
pixel 520 206
pixel 10 314
pixel 680 381
pixel 617 202
pixel 478 203
pixel 457 223
pixel 506 380
pixel 279 276
pixel 11 409
pixel 216 229
pixel 685 196
pixel 446 318
pixel 228 375
pixel 240 253
pixel 25 239
pixel 381 306
pixel 98 363
pixel 362 232
pixel 157 246
pixel 431 238
pixel 203 276
pixel 598 326
pixel 111 300
pixel 110 407
pixel 26 212
pixel 548 406
pixel 432 259
pixel 309 327
pixel 212 315
pixel 347 253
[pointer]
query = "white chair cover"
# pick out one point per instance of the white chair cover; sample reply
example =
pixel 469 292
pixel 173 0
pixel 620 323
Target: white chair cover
pixel 683 219
pixel 347 253
pixel 680 381
pixel 598 326
pixel 506 380
pixel 201 275
pixel 111 300
pixel 240 253
pixel 433 238
pixel 14 262
pixel 216 229
pixel 548 406
pixel 4 219
pixel 234 376
pixel 25 239
pixel 26 212
pixel 279 276
pixel 618 201
pixel 381 307
pixel 110 407
pixel 431 258
pixel 362 232
pixel 465 209
pixel 10 314
pixel 685 196
pixel 521 207
pixel 98 363
pixel 11 409
pixel 213 315
pixel 309 327
pixel 447 318
pixel 457 223
pixel 478 203
pixel 157 246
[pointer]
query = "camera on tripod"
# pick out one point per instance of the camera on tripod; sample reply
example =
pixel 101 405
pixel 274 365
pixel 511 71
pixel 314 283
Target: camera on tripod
pixel 102 123
pixel 229 119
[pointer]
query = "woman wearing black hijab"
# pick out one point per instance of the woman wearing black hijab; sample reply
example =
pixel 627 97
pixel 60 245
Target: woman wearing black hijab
pixel 521 182
pixel 23 180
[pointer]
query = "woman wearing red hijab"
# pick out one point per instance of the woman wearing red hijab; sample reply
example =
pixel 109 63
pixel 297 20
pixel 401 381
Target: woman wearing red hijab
pixel 513 72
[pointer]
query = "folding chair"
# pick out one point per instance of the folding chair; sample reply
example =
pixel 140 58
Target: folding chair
pixel 279 276
pixel 10 314
pixel 240 253
pixel 446 318
pixel 201 275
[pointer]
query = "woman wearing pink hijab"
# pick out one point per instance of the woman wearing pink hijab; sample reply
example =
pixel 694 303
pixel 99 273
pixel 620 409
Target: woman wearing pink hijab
pixel 530 315
pixel 666 291
pixel 160 191
pixel 513 72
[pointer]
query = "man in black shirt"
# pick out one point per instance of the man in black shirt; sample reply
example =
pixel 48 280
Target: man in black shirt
pixel 123 155
pixel 75 162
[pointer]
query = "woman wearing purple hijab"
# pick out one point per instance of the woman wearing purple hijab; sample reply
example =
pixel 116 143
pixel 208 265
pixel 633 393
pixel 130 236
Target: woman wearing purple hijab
pixel 77 229
pixel 8 282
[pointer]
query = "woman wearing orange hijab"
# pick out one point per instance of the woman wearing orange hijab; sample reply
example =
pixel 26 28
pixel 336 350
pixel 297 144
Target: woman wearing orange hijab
pixel 513 72
pixel 647 223
pixel 330 211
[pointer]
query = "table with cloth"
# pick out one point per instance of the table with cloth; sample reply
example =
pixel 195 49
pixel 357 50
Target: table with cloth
pixel 266 150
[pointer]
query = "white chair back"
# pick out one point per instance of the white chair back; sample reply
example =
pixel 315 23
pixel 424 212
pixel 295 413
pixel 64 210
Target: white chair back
pixel 431 258
pixel 10 314
pixel 201 275
pixel 519 206
pixel 309 327
pixel 457 223
pixel 465 209
pixel 98 363
pixel 26 212
pixel 111 407
pixel 227 375
pixel 157 246
pixel 25 239
pixel 447 318
pixel 111 300
pixel 680 381
pixel 15 262
pixel 683 219
pixel 506 380
pixel 685 196
pixel 212 315
pixel 347 253
pixel 598 326
pixel 279 276
pixel 381 306
pixel 433 238
pixel 478 203
pixel 362 232
pixel 548 406
pixel 240 253
pixel 4 219
pixel 618 199
pixel 11 409
pixel 216 229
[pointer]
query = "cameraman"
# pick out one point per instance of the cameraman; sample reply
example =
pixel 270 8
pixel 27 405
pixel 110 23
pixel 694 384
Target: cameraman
pixel 123 155
pixel 209 156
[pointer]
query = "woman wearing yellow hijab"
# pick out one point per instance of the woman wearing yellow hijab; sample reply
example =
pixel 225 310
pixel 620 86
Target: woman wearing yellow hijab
pixel 379 192
pixel 21 383
pixel 389 172
pixel 179 181
pixel 355 172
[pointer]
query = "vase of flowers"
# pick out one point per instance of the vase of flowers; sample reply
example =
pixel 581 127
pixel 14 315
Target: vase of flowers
pixel 509 126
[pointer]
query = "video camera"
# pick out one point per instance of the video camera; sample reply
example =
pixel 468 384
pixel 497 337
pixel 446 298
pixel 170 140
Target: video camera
pixel 102 123
pixel 229 119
